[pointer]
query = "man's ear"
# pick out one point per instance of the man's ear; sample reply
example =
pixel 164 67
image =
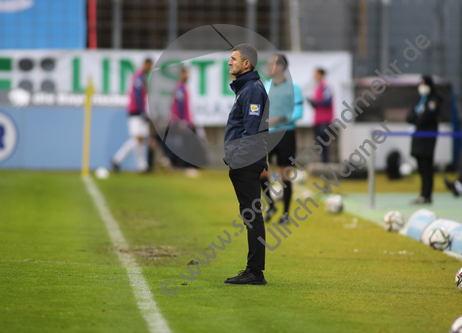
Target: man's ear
pixel 249 64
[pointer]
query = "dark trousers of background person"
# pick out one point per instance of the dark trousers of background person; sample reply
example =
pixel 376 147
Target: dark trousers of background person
pixel 246 182
pixel 459 166
pixel 175 160
pixel 151 153
pixel 319 130
pixel 425 167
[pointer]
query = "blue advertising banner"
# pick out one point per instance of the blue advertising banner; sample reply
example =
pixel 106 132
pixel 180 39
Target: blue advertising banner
pixel 51 137
pixel 38 24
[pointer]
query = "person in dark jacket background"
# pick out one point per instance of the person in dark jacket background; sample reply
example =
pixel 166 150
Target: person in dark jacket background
pixel 245 153
pixel 425 118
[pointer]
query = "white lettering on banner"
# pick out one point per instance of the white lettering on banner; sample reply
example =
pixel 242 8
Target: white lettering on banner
pixel 77 100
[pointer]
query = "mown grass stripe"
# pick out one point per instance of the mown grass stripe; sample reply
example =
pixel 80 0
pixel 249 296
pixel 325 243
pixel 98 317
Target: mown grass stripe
pixel 143 295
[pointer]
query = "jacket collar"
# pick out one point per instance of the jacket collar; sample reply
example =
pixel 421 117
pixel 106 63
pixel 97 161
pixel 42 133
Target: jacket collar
pixel 242 79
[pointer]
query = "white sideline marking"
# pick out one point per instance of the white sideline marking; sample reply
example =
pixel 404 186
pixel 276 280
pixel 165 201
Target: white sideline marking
pixel 143 295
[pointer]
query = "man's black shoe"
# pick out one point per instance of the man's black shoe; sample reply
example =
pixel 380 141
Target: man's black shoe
pixel 269 214
pixel 450 185
pixel 245 277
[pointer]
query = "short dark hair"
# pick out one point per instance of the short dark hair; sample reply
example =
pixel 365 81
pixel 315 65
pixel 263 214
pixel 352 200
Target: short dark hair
pixel 148 61
pixel 248 52
pixel 281 59
pixel 321 70
pixel 428 80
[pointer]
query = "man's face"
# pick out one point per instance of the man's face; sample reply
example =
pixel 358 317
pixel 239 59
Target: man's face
pixel 147 67
pixel 184 76
pixel 236 65
pixel 271 68
pixel 317 76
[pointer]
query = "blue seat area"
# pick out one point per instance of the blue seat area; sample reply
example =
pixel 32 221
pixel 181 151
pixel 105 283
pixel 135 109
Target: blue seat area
pixel 456 240
pixel 417 225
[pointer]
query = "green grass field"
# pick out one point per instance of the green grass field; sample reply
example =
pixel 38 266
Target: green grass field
pixel 60 271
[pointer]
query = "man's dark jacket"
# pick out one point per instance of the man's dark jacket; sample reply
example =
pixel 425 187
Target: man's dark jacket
pixel 427 120
pixel 247 125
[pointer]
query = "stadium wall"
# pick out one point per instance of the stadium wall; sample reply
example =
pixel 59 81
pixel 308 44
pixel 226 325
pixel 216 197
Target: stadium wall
pixel 51 138
pixel 42 95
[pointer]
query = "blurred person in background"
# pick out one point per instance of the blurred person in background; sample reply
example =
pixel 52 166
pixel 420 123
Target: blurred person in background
pixel 286 107
pixel 425 118
pixel 138 122
pixel 323 111
pixel 180 120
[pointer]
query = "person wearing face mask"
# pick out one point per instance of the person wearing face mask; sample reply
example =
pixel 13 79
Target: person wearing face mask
pixel 425 118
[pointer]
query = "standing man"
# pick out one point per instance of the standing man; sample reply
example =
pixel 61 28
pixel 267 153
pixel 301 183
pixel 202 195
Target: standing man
pixel 138 124
pixel 245 153
pixel 285 109
pixel 323 111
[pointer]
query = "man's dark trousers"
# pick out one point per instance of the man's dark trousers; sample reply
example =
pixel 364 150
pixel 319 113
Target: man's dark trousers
pixel 246 182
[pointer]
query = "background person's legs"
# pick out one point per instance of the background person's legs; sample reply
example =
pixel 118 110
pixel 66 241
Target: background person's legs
pixel 140 154
pixel 287 195
pixel 151 153
pixel 264 178
pixel 137 146
pixel 288 149
pixel 319 130
pixel 456 186
pixel 123 151
pixel 425 164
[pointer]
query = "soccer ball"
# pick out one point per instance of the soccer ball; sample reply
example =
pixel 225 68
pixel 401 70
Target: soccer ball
pixel 277 187
pixel 334 204
pixel 393 221
pixel 458 279
pixel 439 239
pixel 102 173
pixel 302 176
pixel 456 326
pixel 405 169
